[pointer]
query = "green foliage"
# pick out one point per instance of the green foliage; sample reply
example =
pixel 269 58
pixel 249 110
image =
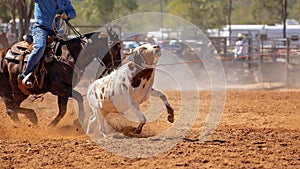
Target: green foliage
pixel 4 15
pixel 203 13
pixel 241 13
pixel 266 12
pixel 263 11
pixel 294 8
pixel 99 12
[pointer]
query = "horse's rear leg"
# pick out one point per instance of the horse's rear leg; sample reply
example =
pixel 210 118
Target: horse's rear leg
pixel 62 106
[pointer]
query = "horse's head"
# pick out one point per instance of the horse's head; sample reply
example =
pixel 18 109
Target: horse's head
pixel 115 49
pixel 106 47
pixel 85 49
pixel 97 45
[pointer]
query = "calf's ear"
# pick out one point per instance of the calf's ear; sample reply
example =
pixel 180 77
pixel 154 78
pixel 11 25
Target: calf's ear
pixel 142 49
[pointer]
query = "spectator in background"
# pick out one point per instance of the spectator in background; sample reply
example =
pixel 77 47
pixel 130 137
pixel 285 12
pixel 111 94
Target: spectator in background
pixel 241 47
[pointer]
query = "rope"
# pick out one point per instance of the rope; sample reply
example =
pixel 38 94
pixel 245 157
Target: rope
pixel 186 62
pixel 56 27
pixel 226 58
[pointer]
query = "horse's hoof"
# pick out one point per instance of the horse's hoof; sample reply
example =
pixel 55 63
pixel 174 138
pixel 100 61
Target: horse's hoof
pixel 51 125
pixel 104 134
pixel 14 117
pixel 33 118
pixel 34 121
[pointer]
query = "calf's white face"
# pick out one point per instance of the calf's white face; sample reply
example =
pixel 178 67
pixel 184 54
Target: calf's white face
pixel 150 53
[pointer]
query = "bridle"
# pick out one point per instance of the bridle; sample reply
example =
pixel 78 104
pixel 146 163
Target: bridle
pixel 143 64
pixel 112 54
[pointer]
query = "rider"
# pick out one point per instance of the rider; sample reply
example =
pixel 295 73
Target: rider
pixel 44 14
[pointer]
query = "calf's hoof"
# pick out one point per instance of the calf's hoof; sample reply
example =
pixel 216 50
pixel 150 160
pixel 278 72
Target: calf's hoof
pixel 171 118
pixel 137 131
pixel 170 114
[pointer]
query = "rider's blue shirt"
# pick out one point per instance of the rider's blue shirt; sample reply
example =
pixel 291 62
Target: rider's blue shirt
pixel 45 11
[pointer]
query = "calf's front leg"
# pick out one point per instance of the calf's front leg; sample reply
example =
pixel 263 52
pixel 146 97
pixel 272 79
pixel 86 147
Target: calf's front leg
pixel 163 97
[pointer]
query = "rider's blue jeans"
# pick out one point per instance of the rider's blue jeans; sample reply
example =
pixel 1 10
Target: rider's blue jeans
pixel 40 35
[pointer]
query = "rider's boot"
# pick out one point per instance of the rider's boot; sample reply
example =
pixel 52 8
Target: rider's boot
pixel 28 80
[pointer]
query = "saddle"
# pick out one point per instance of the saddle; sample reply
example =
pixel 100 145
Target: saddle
pixel 21 50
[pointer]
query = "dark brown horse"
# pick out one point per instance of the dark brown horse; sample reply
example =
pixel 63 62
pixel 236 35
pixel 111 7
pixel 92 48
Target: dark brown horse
pixel 59 76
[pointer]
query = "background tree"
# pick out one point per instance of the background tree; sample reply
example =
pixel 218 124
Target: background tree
pixel 153 6
pixel 4 15
pixel 100 12
pixel 284 16
pixel 266 12
pixel 21 9
pixel 293 8
pixel 203 13
pixel 241 12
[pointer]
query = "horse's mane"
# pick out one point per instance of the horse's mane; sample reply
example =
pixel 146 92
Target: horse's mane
pixel 88 35
pixel 74 45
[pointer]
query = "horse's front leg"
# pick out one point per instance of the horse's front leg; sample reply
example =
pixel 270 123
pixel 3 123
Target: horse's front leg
pixel 10 106
pixel 62 106
pixel 63 93
pixel 81 116
pixel 13 108
pixel 170 110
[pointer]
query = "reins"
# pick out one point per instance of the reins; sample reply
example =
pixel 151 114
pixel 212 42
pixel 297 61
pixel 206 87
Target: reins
pixel 76 32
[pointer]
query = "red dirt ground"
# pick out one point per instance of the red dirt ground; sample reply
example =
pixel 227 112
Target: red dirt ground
pixel 259 129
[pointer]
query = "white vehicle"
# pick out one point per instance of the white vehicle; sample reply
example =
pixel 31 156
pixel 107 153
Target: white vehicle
pixel 265 31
